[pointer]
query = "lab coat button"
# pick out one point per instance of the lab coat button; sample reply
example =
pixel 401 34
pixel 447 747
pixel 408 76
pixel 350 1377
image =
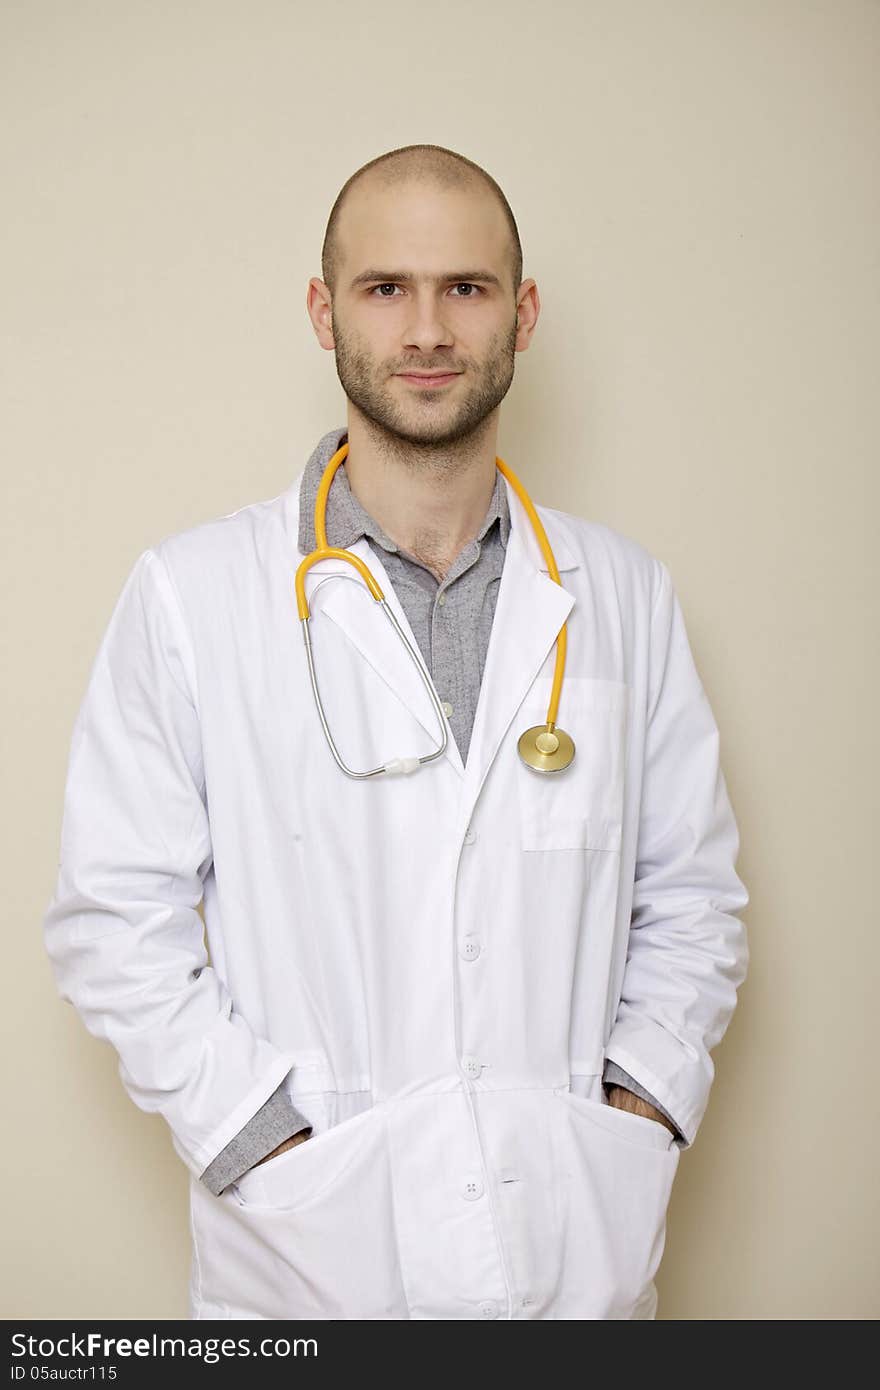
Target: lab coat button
pixel 469 836
pixel 488 1308
pixel 447 708
pixel 473 1188
pixel 470 947
pixel 471 1066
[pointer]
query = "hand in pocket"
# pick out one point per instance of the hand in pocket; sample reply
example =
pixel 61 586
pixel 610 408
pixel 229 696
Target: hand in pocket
pixel 287 1144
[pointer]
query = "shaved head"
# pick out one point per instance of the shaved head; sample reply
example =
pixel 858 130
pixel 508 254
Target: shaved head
pixel 430 166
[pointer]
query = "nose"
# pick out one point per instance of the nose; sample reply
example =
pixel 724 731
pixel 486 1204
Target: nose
pixel 425 328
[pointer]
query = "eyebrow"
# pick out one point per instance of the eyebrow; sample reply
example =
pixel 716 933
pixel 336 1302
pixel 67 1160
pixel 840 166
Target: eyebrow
pixel 401 277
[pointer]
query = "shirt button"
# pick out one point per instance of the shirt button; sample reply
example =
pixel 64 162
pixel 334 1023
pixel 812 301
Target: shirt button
pixel 441 598
pixel 472 1189
pixel 471 1066
pixel 488 1308
pixel 470 947
pixel 469 836
pixel 447 708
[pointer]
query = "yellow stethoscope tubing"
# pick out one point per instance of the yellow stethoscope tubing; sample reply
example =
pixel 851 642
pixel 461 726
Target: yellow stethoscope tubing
pixel 323 551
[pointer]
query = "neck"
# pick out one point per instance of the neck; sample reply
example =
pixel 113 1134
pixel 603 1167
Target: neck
pixel 430 499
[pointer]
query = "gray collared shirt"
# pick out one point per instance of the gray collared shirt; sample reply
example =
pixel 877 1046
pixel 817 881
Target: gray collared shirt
pixel 451 620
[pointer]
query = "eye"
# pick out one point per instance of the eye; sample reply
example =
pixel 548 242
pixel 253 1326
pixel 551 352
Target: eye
pixel 388 284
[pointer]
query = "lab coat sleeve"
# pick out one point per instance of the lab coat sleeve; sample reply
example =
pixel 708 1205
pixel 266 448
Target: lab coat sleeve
pixel 687 950
pixel 122 930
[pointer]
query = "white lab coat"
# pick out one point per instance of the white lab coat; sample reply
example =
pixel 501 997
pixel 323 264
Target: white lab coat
pixel 436 966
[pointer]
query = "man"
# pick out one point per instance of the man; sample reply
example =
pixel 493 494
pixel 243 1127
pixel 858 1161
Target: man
pixel 455 1030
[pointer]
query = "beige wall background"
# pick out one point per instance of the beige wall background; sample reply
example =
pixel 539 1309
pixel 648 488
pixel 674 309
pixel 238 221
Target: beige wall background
pixel 696 188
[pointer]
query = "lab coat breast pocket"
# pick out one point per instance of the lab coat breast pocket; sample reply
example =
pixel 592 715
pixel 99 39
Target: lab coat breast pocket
pixel 580 807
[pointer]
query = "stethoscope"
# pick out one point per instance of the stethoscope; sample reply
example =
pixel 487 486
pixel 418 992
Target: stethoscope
pixel 544 747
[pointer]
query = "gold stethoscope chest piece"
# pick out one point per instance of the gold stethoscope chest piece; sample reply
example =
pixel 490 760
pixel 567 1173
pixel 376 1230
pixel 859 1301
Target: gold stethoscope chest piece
pixel 544 748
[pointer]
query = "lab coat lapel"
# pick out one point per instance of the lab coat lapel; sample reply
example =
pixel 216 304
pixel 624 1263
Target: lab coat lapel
pixel 530 610
pixel 351 607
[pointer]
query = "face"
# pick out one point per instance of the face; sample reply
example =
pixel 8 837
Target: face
pixel 384 327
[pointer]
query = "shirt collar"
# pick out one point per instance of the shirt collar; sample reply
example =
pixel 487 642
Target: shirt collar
pixel 347 520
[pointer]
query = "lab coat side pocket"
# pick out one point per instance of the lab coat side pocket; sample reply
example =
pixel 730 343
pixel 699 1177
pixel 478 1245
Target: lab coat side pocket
pixel 618 1170
pixel 301 1173
pixel 316 1237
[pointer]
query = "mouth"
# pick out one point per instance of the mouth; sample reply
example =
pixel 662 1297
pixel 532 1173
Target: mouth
pixel 429 379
